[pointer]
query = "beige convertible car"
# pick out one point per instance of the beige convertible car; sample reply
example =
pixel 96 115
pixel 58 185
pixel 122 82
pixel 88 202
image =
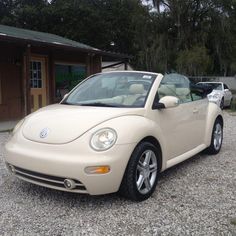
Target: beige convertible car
pixel 115 132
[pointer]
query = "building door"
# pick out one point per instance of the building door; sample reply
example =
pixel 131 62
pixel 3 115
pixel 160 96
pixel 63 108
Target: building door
pixel 38 83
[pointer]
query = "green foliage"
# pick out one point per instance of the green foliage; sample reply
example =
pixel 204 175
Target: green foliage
pixel 195 37
pixel 195 61
pixel 233 105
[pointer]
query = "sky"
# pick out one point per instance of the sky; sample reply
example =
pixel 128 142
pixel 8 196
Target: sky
pixel 149 2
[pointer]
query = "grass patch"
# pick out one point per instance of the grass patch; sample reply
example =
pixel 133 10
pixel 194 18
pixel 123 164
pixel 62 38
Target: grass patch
pixel 233 105
pixel 220 191
pixel 233 221
pixel 233 91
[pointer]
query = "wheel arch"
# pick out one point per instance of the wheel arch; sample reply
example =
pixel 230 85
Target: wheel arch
pixel 214 113
pixel 212 149
pixel 156 143
pixel 222 101
pixel 127 188
pixel 220 118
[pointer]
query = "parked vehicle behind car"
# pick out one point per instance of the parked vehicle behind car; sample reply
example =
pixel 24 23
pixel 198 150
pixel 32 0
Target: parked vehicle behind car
pixel 220 95
pixel 105 137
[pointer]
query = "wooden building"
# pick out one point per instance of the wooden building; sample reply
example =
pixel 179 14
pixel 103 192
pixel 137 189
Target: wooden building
pixel 37 69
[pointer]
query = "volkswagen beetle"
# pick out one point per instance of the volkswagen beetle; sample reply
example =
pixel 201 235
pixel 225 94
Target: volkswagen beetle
pixel 115 132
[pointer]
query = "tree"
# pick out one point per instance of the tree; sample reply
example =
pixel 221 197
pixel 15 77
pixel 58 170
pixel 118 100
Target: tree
pixel 195 61
pixel 159 40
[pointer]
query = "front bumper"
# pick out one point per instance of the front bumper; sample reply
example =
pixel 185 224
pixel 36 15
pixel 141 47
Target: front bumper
pixel 48 165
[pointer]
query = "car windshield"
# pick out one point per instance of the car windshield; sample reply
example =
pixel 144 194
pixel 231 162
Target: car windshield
pixel 114 89
pixel 214 86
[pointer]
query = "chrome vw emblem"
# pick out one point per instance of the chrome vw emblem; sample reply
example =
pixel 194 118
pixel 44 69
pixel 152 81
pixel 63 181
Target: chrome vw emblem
pixel 44 133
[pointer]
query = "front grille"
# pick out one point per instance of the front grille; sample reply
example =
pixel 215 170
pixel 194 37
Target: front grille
pixel 48 180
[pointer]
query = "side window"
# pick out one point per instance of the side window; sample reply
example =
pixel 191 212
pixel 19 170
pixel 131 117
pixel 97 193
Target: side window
pixel 198 93
pixel 225 86
pixel 175 85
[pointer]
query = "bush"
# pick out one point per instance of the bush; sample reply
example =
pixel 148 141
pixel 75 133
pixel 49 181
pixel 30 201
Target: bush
pixel 195 61
pixel 233 105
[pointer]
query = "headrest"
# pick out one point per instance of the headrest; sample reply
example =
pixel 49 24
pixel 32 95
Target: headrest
pixel 167 90
pixel 182 91
pixel 136 89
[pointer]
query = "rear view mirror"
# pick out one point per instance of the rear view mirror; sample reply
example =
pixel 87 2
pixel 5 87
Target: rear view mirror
pixel 166 102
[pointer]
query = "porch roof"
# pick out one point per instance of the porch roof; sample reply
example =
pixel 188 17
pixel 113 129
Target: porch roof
pixel 47 39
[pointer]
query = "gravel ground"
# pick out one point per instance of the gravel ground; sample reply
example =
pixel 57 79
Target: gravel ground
pixel 197 197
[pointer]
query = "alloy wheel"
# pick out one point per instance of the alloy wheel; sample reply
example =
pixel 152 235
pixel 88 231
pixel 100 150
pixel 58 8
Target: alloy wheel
pixel 146 172
pixel 218 136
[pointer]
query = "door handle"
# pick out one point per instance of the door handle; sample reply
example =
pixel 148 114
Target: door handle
pixel 195 111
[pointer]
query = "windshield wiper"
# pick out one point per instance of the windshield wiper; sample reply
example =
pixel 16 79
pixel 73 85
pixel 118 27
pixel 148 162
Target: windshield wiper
pixel 98 104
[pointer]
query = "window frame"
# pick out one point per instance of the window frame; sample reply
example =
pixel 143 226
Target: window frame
pixel 225 86
pixel 65 101
pixel 157 96
pixel 38 79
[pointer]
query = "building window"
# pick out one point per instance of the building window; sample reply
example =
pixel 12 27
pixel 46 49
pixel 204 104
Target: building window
pixel 35 74
pixel 67 77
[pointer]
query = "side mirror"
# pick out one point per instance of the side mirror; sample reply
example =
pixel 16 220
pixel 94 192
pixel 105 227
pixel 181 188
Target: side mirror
pixel 166 102
pixel 226 90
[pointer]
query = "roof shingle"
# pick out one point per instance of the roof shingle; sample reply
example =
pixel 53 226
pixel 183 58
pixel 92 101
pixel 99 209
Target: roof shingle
pixel 41 37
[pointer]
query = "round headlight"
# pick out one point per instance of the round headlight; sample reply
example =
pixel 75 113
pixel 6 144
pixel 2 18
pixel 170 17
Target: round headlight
pixel 103 139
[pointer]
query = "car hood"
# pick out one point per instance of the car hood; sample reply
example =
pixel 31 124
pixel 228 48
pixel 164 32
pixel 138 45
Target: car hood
pixel 60 124
pixel 216 92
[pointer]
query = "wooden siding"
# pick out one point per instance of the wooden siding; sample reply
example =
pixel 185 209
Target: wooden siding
pixel 13 102
pixel 11 87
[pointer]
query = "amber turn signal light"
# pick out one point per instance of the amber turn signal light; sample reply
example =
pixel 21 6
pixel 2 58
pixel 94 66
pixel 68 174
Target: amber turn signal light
pixel 97 169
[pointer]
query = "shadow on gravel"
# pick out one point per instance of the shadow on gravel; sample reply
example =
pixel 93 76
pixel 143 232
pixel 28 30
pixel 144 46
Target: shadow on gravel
pixel 181 167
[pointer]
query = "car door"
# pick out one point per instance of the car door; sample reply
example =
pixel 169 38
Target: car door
pixel 200 103
pixel 182 126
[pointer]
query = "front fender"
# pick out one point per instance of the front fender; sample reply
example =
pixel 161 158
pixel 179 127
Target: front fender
pixel 133 129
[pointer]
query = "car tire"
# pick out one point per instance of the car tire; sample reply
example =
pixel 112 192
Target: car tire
pixel 142 171
pixel 216 138
pixel 222 102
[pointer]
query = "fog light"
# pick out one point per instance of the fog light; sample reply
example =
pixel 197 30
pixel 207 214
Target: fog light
pixel 69 184
pixel 97 169
pixel 11 168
